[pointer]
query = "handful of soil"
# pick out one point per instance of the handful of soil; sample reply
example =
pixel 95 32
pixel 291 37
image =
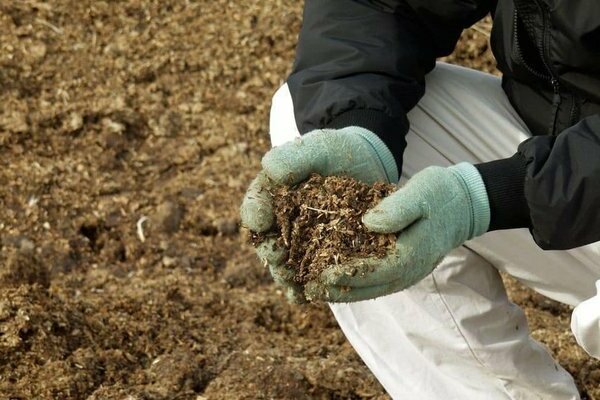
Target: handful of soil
pixel 319 223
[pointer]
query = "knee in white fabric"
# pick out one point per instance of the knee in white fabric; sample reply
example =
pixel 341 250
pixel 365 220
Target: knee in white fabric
pixel 282 122
pixel 585 324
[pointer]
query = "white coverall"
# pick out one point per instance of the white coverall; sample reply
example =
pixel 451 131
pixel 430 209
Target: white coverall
pixel 455 335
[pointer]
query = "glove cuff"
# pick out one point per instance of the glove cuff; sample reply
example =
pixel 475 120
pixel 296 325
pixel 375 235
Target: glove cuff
pixel 384 154
pixel 480 205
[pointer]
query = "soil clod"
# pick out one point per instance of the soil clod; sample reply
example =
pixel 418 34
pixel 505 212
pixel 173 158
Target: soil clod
pixel 319 223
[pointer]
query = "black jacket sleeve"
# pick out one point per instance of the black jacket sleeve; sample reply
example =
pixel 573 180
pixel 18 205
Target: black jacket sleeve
pixel 552 186
pixel 363 62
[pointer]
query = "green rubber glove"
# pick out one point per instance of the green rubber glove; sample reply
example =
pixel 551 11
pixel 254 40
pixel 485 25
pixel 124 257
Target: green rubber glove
pixel 352 151
pixel 436 211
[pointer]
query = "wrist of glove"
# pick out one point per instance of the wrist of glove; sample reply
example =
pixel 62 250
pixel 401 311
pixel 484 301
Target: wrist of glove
pixel 352 151
pixel 436 211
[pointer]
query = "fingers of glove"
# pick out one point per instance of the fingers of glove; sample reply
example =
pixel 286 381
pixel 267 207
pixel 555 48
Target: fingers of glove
pixel 274 256
pixel 282 275
pixel 344 294
pixel 415 255
pixel 394 213
pixel 269 252
pixel 284 278
pixel 363 273
pixel 293 161
pixel 257 207
pixel 326 152
pixel 294 294
pixel 315 291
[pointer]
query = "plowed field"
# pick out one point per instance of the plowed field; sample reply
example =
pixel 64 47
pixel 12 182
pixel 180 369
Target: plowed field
pixel 129 131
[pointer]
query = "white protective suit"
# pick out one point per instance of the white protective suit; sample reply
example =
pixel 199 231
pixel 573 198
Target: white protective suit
pixel 455 335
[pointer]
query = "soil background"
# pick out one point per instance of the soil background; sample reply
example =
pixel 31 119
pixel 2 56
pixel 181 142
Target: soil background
pixel 129 131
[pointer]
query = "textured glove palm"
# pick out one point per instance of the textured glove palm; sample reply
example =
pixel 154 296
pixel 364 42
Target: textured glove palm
pixel 351 151
pixel 438 210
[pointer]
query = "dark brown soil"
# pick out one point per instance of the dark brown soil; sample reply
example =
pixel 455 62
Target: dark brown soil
pixel 320 224
pixel 129 131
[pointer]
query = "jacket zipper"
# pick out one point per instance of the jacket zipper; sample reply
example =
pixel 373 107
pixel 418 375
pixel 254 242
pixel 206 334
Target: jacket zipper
pixel 533 71
pixel 553 80
pixel 574 111
pixel 555 105
pixel 556 99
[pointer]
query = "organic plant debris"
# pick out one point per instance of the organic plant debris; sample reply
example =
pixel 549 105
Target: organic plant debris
pixel 130 120
pixel 319 223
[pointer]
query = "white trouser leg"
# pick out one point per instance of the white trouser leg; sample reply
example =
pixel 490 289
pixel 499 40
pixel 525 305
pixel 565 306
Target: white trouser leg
pixel 455 335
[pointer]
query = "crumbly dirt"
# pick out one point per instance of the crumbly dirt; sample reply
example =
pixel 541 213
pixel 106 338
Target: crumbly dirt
pixel 319 222
pixel 129 131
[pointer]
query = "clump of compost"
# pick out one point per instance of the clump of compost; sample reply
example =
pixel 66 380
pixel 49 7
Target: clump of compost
pixel 319 223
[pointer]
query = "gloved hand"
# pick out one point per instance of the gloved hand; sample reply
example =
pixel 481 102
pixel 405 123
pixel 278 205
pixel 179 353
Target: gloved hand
pixel 436 211
pixel 352 151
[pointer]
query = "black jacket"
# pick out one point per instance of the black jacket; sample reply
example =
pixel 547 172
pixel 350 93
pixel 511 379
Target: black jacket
pixel 363 63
